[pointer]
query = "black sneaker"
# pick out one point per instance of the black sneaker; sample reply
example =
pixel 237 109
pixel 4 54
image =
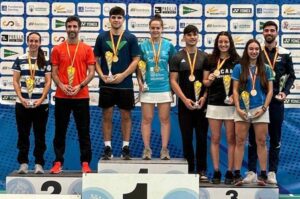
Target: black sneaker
pixel 107 155
pixel 228 178
pixel 216 177
pixel 202 177
pixel 262 180
pixel 238 180
pixel 125 153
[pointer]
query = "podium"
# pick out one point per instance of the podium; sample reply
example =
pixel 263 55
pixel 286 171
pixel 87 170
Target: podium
pixel 134 179
pixel 247 191
pixel 137 165
pixel 67 182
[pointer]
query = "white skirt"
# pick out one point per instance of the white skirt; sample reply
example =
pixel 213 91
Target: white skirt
pixel 264 118
pixel 153 98
pixel 220 112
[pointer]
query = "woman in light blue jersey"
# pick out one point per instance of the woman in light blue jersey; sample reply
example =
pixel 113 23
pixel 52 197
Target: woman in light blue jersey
pixel 252 94
pixel 153 79
pixel 32 81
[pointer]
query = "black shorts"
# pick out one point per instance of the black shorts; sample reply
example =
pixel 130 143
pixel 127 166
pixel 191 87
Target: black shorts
pixel 123 98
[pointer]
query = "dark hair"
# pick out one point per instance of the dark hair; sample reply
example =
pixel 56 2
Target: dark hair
pixel 190 28
pixel 245 63
pixel 41 60
pixel 73 18
pixel 157 17
pixel 270 23
pixel 232 51
pixel 117 11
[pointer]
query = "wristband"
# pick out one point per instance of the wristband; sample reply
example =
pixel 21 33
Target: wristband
pixel 81 86
pixel 264 108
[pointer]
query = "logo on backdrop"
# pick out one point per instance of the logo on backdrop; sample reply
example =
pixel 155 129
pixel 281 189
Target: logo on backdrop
pixel 290 41
pixel 165 10
pixel 216 10
pixel 184 22
pixel 290 25
pixel 241 25
pixel 12 38
pixel 89 9
pixel 241 10
pixel 138 24
pixel 290 10
pixel 9 8
pixel 267 10
pixel 37 23
pixel 240 40
pixel 190 10
pixel 11 53
pixel 12 23
pixel 38 8
pixel 63 9
pixel 108 6
pixel 139 9
pixel 216 25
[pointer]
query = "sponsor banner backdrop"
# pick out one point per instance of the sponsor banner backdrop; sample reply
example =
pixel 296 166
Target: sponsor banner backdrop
pixel 244 21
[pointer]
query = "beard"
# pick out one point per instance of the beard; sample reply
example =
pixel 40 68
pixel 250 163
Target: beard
pixel 269 39
pixel 72 35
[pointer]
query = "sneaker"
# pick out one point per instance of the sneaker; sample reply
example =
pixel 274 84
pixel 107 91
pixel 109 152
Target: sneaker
pixel 86 168
pixel 216 177
pixel 38 169
pixel 250 177
pixel 262 180
pixel 147 153
pixel 272 178
pixel 23 168
pixel 238 180
pixel 57 168
pixel 229 178
pixel 107 155
pixel 125 153
pixel 203 178
pixel 164 154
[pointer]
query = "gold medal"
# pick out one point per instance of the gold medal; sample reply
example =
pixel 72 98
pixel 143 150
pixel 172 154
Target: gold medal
pixel 156 55
pixel 115 58
pixel 191 64
pixel 115 48
pixel 253 92
pixel 192 78
pixel 217 73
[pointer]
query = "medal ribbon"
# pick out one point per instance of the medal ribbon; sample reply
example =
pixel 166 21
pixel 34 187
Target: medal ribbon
pixel 72 60
pixel 31 68
pixel 253 77
pixel 156 54
pixel 268 58
pixel 220 64
pixel 114 47
pixel 192 65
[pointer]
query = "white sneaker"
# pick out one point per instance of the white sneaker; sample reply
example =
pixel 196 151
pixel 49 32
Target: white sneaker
pixel 38 169
pixel 250 178
pixel 23 169
pixel 272 178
